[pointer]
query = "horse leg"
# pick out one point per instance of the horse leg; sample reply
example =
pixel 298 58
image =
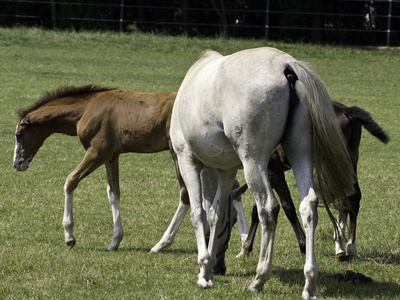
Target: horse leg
pixel 219 219
pixel 191 175
pixel 248 244
pixel 351 248
pixel 268 210
pixel 298 145
pixel 339 234
pixel 242 223
pixel 183 207
pixel 169 235
pixel 89 163
pixel 112 169
pixel 276 175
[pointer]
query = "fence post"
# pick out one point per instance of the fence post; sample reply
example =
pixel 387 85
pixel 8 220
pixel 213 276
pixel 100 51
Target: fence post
pixel 53 14
pixel 266 20
pixel 121 17
pixel 389 24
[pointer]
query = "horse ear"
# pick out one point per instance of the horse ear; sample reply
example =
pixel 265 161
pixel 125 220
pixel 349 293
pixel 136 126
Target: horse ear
pixel 25 121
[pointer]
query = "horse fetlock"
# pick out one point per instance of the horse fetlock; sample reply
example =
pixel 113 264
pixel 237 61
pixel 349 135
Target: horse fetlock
pixel 310 287
pixel 114 246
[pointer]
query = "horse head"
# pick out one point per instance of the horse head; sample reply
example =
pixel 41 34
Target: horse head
pixel 27 143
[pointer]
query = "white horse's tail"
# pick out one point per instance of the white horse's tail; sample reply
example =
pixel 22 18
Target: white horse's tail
pixel 331 157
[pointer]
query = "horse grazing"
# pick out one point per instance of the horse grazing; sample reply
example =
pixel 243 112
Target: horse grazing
pixel 351 120
pixel 230 113
pixel 108 122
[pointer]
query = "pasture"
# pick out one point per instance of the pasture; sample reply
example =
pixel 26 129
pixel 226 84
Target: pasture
pixel 36 264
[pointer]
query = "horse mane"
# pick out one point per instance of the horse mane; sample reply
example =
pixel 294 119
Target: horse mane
pixel 61 92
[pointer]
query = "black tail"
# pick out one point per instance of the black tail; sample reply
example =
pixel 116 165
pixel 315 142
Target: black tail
pixel 365 119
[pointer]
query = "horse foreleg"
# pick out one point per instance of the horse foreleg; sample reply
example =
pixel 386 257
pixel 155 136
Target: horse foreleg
pixel 87 166
pixel 248 244
pixel 242 223
pixel 68 219
pixel 219 219
pixel 238 211
pixel 277 177
pixel 113 191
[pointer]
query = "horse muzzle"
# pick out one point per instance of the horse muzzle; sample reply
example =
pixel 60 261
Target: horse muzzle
pixel 21 164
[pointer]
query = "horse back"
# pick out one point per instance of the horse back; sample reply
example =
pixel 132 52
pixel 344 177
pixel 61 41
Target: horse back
pixel 129 121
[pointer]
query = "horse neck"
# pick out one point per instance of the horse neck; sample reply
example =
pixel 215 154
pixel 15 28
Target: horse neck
pixel 61 118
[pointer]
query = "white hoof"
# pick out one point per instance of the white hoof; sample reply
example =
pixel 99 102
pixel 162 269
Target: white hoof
pixel 256 286
pixel 307 295
pixel 204 284
pixel 243 253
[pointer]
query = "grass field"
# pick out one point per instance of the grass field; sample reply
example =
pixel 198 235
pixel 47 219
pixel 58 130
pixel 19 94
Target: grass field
pixel 35 263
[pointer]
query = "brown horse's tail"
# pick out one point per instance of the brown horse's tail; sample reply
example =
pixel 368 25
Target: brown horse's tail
pixel 331 159
pixel 365 119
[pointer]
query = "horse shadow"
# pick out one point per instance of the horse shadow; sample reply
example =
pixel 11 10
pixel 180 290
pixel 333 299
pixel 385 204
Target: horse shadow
pixel 329 286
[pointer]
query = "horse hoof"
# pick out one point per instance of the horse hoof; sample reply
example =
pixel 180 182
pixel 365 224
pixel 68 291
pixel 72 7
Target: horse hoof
pixel 307 295
pixel 70 244
pixel 342 257
pixel 255 288
pixel 243 253
pixel 204 284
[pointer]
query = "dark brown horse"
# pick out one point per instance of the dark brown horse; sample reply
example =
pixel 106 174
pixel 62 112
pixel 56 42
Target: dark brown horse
pixel 108 122
pixel 351 121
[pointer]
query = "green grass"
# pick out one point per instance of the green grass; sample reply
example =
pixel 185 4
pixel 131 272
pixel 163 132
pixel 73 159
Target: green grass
pixel 34 262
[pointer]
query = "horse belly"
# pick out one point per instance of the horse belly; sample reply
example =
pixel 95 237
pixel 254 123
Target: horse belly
pixel 214 149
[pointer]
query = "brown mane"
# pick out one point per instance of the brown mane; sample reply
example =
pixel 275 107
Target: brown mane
pixel 61 92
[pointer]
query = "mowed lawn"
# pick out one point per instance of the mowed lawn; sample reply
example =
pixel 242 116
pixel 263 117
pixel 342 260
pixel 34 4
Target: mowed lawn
pixel 35 263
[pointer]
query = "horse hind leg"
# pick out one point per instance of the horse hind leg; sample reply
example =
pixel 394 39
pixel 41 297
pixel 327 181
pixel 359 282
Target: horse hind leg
pixel 169 235
pixel 268 210
pixel 297 143
pixel 113 191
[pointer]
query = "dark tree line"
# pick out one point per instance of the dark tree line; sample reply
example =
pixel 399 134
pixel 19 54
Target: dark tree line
pixel 323 21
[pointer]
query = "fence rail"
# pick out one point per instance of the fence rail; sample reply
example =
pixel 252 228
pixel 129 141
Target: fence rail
pixel 368 22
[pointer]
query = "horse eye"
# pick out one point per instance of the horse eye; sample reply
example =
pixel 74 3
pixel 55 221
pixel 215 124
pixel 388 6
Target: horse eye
pixel 18 135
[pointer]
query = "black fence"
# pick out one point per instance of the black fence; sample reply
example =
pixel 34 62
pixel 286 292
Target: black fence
pixel 348 22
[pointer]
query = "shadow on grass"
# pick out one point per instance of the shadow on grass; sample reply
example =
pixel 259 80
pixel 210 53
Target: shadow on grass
pixel 329 286
pixel 381 258
pixel 147 250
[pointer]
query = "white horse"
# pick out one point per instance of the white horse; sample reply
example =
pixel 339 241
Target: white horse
pixel 230 113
